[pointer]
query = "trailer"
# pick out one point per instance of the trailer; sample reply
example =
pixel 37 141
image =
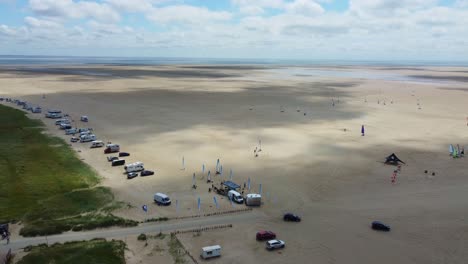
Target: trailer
pixel 253 199
pixel 97 144
pixel 87 138
pixel 134 167
pixel 211 252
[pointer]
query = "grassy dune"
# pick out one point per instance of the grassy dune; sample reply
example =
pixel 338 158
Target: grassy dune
pixel 95 251
pixel 44 184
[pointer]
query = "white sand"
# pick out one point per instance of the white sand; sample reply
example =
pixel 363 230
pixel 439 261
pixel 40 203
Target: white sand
pixel 308 165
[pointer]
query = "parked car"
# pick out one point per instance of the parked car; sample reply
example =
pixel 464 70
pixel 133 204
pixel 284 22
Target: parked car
pixel 275 244
pixel 146 173
pixel 132 175
pixel 265 235
pixel 379 226
pixel 124 154
pixel 74 139
pixel 112 158
pixel 291 217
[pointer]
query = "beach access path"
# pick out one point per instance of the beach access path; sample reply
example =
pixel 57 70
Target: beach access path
pixel 150 227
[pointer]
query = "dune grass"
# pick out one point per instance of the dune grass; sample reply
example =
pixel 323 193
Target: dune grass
pixel 43 182
pixel 94 251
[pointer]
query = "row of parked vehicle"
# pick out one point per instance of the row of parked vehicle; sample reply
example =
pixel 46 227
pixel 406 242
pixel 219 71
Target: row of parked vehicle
pixel 25 105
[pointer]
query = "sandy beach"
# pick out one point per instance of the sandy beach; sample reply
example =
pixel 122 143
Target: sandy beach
pixel 314 160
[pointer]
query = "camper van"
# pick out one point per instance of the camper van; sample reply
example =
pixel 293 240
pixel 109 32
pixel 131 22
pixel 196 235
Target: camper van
pixel 134 167
pixel 235 196
pixel 253 199
pixel 111 148
pixel 85 129
pixel 211 252
pixel 65 126
pixel 97 144
pixel 162 199
pixel 71 131
pixel 87 138
pixel 54 115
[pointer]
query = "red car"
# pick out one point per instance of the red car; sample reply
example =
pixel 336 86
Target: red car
pixel 265 235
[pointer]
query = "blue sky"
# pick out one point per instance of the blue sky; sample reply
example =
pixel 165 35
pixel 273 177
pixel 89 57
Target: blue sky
pixel 290 29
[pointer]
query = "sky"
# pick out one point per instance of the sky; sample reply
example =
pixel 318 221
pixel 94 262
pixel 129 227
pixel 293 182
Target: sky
pixel 276 29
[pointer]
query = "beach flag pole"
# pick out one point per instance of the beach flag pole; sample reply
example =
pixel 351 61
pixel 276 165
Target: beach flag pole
pixel 260 189
pixel 199 204
pixel 177 206
pixel 193 180
pixel 203 168
pixel 183 163
pixel 216 202
pixel 248 183
pixel 209 176
pixel 230 175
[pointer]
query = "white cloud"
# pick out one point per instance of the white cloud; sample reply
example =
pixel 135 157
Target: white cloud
pixel 75 10
pixel 41 23
pixel 187 14
pixel 305 7
pixel 132 5
pixel 6 30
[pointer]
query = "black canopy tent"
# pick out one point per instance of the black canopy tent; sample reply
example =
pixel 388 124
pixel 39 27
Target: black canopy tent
pixel 393 160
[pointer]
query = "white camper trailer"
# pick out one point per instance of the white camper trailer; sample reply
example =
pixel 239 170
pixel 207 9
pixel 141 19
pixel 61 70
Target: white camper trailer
pixel 87 138
pixel 211 252
pixel 253 199
pixel 111 148
pixel 162 199
pixel 235 196
pixel 134 167
pixel 97 144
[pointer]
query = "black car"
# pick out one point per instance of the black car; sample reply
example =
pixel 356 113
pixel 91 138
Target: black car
pixel 124 154
pixel 146 173
pixel 379 226
pixel 112 158
pixel 132 175
pixel 291 217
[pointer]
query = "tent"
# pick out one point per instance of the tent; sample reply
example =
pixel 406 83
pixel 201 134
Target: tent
pixel 393 160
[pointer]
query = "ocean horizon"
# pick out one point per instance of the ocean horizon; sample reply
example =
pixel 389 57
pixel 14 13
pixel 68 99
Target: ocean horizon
pixel 90 60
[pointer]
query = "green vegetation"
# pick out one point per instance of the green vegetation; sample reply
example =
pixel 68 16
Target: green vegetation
pixel 159 219
pixel 176 250
pixel 77 223
pixel 34 166
pixel 45 185
pixel 141 237
pixel 94 251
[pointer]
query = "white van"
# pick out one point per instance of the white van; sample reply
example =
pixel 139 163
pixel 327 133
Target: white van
pixel 111 148
pixel 235 196
pixel 134 167
pixel 62 121
pixel 253 199
pixel 162 199
pixel 71 131
pixel 211 252
pixel 97 144
pixel 87 138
